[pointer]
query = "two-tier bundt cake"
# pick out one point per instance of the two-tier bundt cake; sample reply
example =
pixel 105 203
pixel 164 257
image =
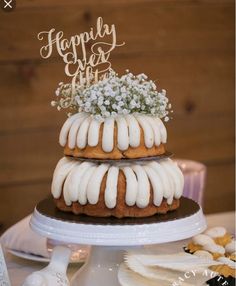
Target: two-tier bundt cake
pixel 108 142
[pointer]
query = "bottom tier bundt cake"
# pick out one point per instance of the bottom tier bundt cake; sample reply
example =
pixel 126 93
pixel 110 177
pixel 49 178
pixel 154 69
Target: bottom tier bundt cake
pixel 119 189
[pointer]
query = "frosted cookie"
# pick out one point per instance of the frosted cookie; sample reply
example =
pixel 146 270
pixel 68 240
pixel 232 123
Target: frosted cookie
pixel 230 248
pixel 219 235
pixel 198 241
pixel 212 245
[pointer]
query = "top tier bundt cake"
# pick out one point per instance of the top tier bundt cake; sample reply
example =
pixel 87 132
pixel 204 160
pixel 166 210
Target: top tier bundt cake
pixel 116 118
pixel 126 136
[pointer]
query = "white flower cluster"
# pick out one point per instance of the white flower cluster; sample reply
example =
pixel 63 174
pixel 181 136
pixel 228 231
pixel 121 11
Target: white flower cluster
pixel 115 95
pixel 65 98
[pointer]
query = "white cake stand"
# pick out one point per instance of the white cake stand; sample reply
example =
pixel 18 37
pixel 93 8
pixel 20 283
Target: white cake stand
pixel 110 237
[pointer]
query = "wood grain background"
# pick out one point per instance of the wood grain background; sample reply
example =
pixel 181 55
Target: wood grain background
pixel 186 46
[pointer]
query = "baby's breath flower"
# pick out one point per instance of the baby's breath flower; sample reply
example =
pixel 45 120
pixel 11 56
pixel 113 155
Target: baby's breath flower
pixel 98 117
pixel 166 119
pixel 113 114
pixel 118 98
pixel 123 89
pixel 87 104
pixel 57 92
pixel 113 95
pixel 102 108
pixel 106 114
pixel 53 103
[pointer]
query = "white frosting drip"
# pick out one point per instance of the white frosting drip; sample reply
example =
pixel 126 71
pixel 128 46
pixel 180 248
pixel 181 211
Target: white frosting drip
pixel 84 184
pixel 217 231
pixel 203 254
pixel 93 133
pixel 177 176
pixel 230 247
pixel 73 180
pixel 158 190
pixel 165 179
pixel 81 181
pixel 63 168
pixel 93 188
pixel 131 186
pixel 156 130
pixel 214 248
pixel 108 135
pixel 143 195
pixel 122 134
pixel 74 131
pixel 162 129
pixel 134 131
pixel 66 128
pixel 111 187
pixel 82 136
pixel 227 261
pixel 147 129
pixel 202 239
pixel 82 128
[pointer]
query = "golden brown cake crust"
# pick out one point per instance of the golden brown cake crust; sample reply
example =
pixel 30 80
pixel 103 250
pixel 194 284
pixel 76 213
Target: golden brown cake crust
pixel 98 153
pixel 121 209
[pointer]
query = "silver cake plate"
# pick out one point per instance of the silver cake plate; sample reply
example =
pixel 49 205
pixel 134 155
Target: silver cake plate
pixel 165 155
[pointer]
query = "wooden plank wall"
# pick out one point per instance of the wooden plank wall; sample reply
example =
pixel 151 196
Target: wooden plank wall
pixel 187 46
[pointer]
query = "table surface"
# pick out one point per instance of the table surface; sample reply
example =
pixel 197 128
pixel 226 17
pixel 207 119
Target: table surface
pixel 19 268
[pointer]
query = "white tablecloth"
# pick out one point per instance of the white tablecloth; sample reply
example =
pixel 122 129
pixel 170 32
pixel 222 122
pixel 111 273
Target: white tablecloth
pixel 20 268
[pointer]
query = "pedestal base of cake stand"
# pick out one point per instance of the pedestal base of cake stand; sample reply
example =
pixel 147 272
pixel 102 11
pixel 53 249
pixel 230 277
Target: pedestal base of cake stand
pixel 101 267
pixel 111 237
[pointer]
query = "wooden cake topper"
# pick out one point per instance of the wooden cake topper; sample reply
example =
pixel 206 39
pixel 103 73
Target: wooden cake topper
pixel 95 88
pixel 82 65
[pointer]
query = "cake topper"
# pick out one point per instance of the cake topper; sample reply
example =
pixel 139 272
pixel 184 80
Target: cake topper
pixel 82 65
pixel 95 87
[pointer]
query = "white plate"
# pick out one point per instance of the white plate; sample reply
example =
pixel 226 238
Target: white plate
pixel 28 256
pixel 127 277
pixel 37 258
